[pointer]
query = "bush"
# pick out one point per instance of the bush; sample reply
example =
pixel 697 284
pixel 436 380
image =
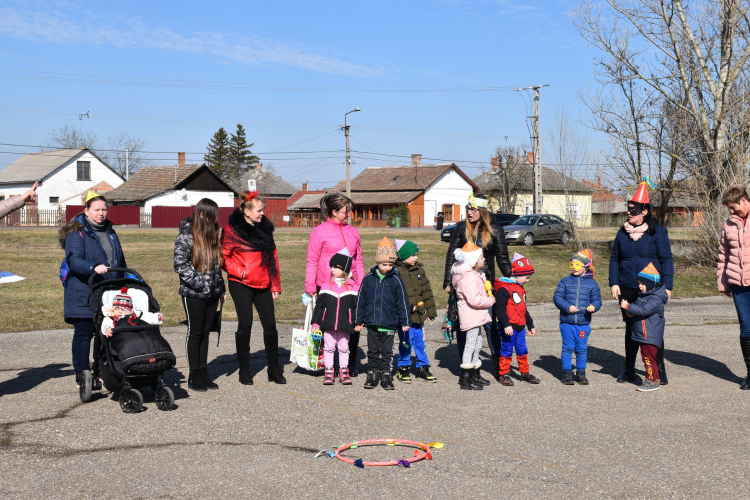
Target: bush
pixel 401 211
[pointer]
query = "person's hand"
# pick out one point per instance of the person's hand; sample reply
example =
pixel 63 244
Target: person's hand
pixel 314 327
pixel 615 291
pixel 275 295
pixel 160 317
pixel 314 295
pixel 413 308
pixel 223 297
pixel 108 332
pixel 405 328
pixel 591 308
pixel 669 294
pixel 358 328
pixel 508 331
pixel 573 309
pixel 100 269
pixel 532 332
pixel 624 304
pixel 431 320
pixel 727 292
pixel 29 195
pixel 493 299
pixel 448 289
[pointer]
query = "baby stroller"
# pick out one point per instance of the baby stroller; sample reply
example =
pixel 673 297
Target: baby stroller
pixel 145 355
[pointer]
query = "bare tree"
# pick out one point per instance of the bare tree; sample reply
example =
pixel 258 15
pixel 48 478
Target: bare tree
pixel 116 149
pixel 509 165
pixel 68 137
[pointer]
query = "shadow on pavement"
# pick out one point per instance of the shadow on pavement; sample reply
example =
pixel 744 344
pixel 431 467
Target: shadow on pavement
pixel 702 363
pixel 447 357
pixel 28 379
pixel 611 362
pixel 550 364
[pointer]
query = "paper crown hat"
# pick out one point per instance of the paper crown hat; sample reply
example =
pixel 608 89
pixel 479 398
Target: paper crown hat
pixel 90 195
pixel 641 194
pixel 650 273
pixel 521 266
pixel 385 252
pixel 477 202
pixel 583 256
pixel 469 254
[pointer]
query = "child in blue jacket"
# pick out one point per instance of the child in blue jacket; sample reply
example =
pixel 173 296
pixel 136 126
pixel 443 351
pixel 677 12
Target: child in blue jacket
pixel 577 296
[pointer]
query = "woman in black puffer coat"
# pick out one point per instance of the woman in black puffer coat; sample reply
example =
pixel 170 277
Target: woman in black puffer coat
pixel 198 260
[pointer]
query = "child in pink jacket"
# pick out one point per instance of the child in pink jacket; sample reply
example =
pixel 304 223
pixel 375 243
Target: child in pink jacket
pixel 733 276
pixel 473 303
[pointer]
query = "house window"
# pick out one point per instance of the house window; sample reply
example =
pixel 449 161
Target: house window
pixel 572 210
pixel 84 171
pixel 54 199
pixel 529 209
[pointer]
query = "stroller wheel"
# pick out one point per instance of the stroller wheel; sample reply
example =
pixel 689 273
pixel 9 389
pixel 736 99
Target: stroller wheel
pixel 84 386
pixel 164 398
pixel 130 400
pixel 96 385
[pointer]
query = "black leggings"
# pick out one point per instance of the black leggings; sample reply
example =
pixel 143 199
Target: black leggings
pixel 200 316
pixel 244 298
pixel 631 346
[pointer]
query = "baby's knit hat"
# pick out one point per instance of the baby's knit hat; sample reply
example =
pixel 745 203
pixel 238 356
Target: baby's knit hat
pixel 385 252
pixel 406 249
pixel 521 266
pixel 469 254
pixel 649 276
pixel 342 260
pixel 123 300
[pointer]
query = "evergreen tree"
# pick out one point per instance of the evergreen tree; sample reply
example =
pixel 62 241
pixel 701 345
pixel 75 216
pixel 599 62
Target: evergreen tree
pixel 218 157
pixel 241 159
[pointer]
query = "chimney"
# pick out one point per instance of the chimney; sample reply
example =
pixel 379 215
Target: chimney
pixel 304 186
pixel 530 156
pixel 416 160
pixel 495 163
pixel 259 166
pixel 181 159
pixel 599 182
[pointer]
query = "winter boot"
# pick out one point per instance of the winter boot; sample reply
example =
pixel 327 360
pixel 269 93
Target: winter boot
pixel 662 374
pixel 466 382
pixel 243 357
pixel 275 374
pixel 628 375
pixel 344 378
pixel 372 380
pixel 568 378
pixel 745 344
pixel 496 367
pixel 476 377
pixel 207 381
pixel 423 373
pixel 328 378
pixel 195 381
pixel 403 374
pixel 582 377
pixel 506 380
pixel 528 377
pixel 386 380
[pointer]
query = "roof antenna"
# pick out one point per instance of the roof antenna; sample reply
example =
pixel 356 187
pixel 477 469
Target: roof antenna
pixel 81 115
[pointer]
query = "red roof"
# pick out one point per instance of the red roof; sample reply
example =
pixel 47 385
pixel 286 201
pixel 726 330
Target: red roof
pixel 601 194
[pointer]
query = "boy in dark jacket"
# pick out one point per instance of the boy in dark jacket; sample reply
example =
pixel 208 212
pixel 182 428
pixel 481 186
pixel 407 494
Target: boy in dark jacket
pixel 648 322
pixel 422 307
pixel 382 306
pixel 577 296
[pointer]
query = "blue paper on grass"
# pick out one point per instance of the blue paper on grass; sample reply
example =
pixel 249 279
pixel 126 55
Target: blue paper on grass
pixel 6 277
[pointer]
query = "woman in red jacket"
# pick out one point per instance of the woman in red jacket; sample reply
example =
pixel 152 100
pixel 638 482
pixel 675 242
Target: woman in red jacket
pixel 252 266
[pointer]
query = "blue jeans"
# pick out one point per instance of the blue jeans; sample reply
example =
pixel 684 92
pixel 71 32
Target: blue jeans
pixel 741 296
pixel 83 332
pixel 574 338
pixel 414 339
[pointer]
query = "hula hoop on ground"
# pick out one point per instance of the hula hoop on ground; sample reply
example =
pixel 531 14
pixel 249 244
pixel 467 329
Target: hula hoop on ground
pixel 422 452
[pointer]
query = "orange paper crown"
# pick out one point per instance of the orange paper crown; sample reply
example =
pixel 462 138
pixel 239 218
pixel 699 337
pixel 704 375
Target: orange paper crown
pixel 385 242
pixel 469 247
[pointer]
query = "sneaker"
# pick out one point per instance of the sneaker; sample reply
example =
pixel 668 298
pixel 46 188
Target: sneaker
pixel 345 379
pixel 648 386
pixel 423 373
pixel 582 377
pixel 528 377
pixel 386 380
pixel 328 378
pixel 403 375
pixel 78 380
pixel 568 378
pixel 506 380
pixel 372 380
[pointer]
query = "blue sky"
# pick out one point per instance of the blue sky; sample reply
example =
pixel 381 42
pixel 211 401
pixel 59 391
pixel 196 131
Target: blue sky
pixel 187 68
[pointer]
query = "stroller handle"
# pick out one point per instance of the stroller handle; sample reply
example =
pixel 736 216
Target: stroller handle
pixel 116 270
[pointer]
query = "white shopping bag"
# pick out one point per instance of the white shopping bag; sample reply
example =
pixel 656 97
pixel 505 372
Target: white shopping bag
pixel 307 349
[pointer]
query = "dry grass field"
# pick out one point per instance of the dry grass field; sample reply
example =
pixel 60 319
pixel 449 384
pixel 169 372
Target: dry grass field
pixel 37 302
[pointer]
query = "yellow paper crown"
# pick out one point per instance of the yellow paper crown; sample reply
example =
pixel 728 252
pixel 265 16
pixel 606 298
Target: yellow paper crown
pixel 91 194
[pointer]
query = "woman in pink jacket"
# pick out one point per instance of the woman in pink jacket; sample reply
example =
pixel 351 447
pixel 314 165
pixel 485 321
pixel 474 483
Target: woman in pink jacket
pixel 325 241
pixel 733 276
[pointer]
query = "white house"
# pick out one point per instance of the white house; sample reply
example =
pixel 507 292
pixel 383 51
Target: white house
pixel 172 186
pixel 63 174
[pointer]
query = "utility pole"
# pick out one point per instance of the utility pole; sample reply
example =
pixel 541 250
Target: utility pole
pixel 127 163
pixel 348 159
pixel 536 149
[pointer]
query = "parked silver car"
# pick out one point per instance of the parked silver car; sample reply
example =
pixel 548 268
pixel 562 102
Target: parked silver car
pixel 538 227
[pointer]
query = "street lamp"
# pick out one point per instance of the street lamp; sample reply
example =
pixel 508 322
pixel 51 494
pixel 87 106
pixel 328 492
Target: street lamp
pixel 348 159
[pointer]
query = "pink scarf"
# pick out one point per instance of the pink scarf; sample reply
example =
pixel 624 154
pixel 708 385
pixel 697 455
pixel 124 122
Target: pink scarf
pixel 635 232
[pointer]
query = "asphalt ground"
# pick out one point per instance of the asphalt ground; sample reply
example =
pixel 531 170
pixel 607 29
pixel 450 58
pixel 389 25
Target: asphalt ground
pixel 605 440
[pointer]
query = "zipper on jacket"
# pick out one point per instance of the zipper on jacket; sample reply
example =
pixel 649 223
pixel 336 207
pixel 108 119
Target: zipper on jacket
pixel 578 293
pixel 742 251
pixel 338 302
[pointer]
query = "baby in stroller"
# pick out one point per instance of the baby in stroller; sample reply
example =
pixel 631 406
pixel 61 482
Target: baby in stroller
pixel 122 313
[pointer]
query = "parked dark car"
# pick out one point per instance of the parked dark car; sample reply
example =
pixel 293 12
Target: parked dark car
pixel 538 227
pixel 501 220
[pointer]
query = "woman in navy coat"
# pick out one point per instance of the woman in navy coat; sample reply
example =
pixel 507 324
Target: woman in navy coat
pixel 639 242
pixel 91 246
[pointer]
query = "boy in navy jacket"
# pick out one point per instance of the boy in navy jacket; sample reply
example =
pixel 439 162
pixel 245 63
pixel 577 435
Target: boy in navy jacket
pixel 382 306
pixel 577 296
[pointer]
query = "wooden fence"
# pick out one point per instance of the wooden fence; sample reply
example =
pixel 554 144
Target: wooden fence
pixel 34 218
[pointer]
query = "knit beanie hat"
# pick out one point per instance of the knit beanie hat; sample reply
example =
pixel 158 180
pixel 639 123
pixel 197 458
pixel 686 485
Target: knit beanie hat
pixel 520 266
pixel 649 277
pixel 123 300
pixel 469 254
pixel 406 249
pixel 385 252
pixel 342 260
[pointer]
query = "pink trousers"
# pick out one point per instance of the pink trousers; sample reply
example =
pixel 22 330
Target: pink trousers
pixel 334 339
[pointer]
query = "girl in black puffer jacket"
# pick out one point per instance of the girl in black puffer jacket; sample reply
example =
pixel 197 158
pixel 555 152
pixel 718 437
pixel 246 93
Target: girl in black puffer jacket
pixel 197 259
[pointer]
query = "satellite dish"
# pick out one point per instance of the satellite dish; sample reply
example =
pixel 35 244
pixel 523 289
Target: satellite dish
pixel 183 194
